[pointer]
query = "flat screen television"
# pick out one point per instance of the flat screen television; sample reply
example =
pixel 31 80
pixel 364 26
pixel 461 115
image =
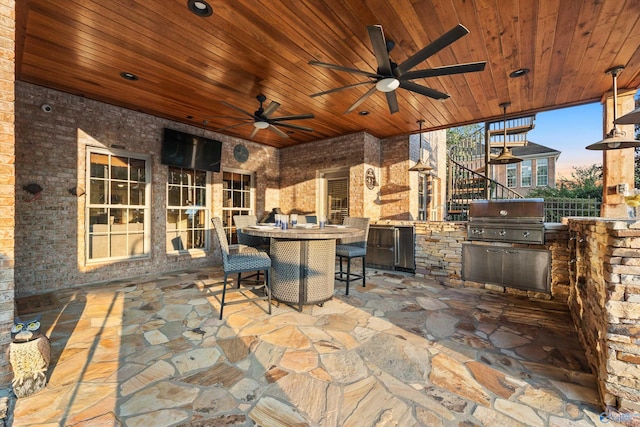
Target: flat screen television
pixel 190 151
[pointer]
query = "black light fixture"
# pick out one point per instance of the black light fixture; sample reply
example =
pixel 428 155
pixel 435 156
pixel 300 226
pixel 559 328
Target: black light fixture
pixel 616 139
pixel 200 8
pixel 505 157
pixel 420 166
pixel 632 118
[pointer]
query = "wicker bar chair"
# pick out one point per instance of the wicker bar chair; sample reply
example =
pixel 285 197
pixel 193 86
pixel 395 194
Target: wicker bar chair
pixel 247 259
pixel 350 248
pixel 242 221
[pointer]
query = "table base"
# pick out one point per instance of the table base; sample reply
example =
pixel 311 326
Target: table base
pixel 302 271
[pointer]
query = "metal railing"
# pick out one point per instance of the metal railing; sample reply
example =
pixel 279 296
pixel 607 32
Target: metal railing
pixel 557 208
pixel 465 185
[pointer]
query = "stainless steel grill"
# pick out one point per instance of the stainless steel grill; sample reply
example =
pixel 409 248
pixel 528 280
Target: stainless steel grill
pixel 509 221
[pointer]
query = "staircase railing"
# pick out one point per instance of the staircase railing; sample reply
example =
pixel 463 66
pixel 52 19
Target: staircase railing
pixel 465 185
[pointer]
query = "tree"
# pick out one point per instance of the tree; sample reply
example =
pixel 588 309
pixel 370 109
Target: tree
pixel 585 183
pixel 462 133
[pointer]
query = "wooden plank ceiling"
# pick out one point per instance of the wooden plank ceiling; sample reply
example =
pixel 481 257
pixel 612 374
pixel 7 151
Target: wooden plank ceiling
pixel 188 65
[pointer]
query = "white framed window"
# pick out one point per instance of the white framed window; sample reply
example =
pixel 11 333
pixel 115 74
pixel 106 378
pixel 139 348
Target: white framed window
pixel 525 173
pixel 512 175
pixel 118 205
pixel 187 209
pixel 542 172
pixel 238 198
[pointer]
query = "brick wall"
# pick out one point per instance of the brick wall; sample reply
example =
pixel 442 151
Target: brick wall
pixel 605 304
pixel 50 151
pixel 7 183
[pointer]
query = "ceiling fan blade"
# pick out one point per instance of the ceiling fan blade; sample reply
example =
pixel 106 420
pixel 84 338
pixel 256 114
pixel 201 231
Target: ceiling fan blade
pixel 361 100
pixel 392 100
pixel 286 125
pixel 437 45
pixel 254 132
pixel 341 88
pixel 296 117
pixel 271 108
pixel 277 131
pixel 423 90
pixel 239 109
pixel 346 69
pixel 232 126
pixel 380 49
pixel 444 71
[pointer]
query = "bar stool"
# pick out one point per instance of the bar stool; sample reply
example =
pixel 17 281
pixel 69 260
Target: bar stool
pixel 350 248
pixel 248 259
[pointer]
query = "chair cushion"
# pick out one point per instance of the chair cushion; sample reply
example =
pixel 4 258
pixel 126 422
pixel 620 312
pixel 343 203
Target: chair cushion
pixel 350 251
pixel 247 261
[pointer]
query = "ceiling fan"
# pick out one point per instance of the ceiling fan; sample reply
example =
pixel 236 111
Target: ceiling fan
pixel 262 118
pixel 390 75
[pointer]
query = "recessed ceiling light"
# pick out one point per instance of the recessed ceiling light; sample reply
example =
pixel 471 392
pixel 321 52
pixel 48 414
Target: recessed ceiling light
pixel 363 113
pixel 519 73
pixel 128 76
pixel 200 8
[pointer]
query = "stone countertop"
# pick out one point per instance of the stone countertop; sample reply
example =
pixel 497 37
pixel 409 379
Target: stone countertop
pixel 330 232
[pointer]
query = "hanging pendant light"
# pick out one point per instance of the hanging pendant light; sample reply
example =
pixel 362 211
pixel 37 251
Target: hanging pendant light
pixel 616 139
pixel 420 166
pixel 505 157
pixel 632 118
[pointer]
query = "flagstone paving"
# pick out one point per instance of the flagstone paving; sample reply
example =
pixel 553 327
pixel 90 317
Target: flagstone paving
pixel 401 351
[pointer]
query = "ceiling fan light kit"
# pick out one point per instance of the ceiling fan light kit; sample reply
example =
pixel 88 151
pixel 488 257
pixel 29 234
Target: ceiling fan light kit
pixel 390 76
pixel 388 85
pixel 615 139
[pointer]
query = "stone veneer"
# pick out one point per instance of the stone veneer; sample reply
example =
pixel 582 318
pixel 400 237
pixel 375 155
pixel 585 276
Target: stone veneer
pixel 605 304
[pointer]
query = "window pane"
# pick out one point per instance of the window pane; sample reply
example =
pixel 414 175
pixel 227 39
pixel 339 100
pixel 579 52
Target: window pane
pixel 137 216
pixel 119 168
pixel 97 191
pixel 201 178
pixel 117 216
pixel 175 176
pixel 201 197
pixel 118 193
pixel 99 165
pixel 137 170
pixel 136 244
pixel 136 194
pixel 98 216
pixel 119 245
pixel 525 168
pixel 173 198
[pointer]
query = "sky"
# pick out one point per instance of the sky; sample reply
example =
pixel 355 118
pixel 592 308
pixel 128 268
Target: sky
pixel 570 130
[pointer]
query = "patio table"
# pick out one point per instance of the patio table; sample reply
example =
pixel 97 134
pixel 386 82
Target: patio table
pixel 302 261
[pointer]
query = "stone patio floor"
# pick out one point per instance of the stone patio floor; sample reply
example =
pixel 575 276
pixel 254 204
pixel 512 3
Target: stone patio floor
pixel 402 351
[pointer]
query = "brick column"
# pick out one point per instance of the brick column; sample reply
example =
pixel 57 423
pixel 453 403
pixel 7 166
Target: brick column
pixel 7 181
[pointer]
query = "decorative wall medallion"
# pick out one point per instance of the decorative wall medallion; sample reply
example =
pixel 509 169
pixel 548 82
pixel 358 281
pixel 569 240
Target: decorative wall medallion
pixel 370 179
pixel 240 153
